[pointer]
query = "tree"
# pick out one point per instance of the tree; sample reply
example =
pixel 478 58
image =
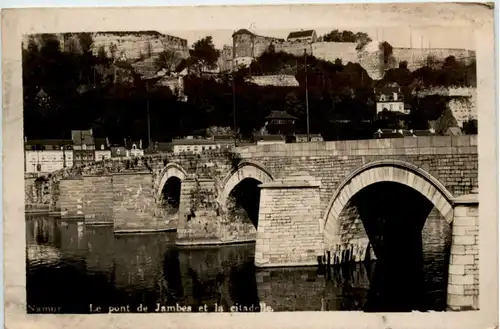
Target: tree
pixel 363 39
pixel 214 131
pixel 204 55
pixel 347 36
pixel 113 49
pixel 149 49
pixel 445 121
pixel 167 59
pixel 470 127
pixel 85 40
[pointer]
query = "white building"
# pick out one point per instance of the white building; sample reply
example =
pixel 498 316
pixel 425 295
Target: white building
pixel 45 156
pixel 390 99
pixel 135 149
pixel 194 145
pixel 102 149
pixel 269 139
pixel 302 36
pixel 302 138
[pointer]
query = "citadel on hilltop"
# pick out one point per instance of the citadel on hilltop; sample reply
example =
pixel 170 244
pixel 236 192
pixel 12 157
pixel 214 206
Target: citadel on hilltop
pixel 247 46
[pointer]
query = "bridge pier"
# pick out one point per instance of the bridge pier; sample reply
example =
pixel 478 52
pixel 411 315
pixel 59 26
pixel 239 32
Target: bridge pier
pixel 288 233
pixel 463 276
pixel 72 194
pixel 98 200
pixel 134 203
pixel 201 219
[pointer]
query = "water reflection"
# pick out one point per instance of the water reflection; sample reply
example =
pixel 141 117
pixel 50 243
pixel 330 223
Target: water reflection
pixel 73 266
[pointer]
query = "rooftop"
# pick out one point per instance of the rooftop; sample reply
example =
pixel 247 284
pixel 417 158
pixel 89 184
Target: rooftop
pixel 280 115
pixel 242 31
pixel 49 142
pixel 300 34
pixel 258 137
pixel 81 137
pixel 193 141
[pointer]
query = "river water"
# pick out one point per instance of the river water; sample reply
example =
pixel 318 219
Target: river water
pixel 73 268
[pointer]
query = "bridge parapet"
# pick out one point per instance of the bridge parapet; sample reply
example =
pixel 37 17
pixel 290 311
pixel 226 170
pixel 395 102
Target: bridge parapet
pixel 424 145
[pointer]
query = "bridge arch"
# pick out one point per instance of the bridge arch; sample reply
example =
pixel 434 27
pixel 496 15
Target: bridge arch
pixel 245 169
pixel 171 170
pixel 387 171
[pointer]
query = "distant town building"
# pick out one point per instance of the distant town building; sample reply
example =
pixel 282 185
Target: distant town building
pixel 390 99
pixel 118 151
pixel 400 133
pixel 302 138
pixel 268 139
pixel 47 155
pixel 194 145
pixel 303 36
pixel 280 123
pixel 162 147
pixel 102 149
pixel 83 146
pixel 224 140
pixel 135 148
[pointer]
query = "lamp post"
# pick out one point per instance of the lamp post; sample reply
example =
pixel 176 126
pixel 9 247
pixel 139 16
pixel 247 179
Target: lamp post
pixel 234 108
pixel 307 95
pixel 149 120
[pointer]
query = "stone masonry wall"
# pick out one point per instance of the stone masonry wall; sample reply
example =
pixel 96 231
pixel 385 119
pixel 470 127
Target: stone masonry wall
pixel 134 205
pixel 98 199
pixel 288 231
pixel 201 220
pixel 71 199
pixel 453 160
pixel 463 277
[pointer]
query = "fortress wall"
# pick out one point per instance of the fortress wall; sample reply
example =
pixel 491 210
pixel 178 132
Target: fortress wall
pixel 330 51
pixel 243 45
pixel 133 45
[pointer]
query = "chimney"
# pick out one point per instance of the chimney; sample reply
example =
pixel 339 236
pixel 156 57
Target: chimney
pixel 140 144
pixel 107 141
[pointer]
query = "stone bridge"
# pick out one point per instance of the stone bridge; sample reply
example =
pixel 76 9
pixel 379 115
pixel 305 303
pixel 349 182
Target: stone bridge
pixel 327 202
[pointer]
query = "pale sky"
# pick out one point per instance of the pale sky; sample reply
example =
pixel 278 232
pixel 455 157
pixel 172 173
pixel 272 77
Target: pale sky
pixel 432 37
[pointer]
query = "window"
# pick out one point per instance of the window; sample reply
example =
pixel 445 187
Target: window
pixel 84 156
pixel 91 156
pixel 38 167
pixel 134 147
pixel 77 157
pixel 203 148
